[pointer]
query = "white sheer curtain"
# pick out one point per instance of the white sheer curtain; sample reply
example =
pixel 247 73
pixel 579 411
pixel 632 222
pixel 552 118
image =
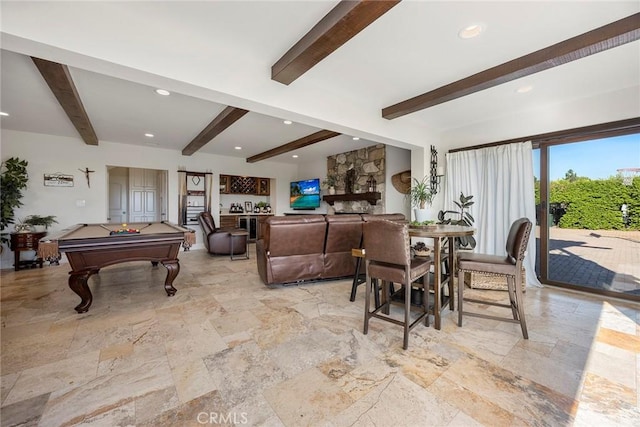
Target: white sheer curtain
pixel 182 196
pixel 500 179
pixel 208 182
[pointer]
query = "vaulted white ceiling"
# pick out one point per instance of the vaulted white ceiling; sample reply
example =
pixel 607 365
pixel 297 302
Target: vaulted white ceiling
pixel 212 54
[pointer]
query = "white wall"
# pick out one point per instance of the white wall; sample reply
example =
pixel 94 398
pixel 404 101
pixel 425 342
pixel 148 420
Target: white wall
pixel 397 160
pixel 81 204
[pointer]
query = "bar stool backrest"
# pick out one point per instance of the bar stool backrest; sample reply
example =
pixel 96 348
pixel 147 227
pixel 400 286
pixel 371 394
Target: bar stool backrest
pixel 387 241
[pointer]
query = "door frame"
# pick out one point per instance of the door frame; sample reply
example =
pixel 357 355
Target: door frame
pixel 162 196
pixel 572 136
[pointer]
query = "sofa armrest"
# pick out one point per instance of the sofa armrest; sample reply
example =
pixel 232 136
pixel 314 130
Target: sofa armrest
pixel 219 242
pixel 262 261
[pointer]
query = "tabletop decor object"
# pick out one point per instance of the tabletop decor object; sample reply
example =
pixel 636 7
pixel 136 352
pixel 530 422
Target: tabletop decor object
pixel 420 249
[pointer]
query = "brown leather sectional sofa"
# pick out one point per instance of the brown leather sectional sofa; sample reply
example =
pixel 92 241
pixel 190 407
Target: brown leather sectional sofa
pixel 299 248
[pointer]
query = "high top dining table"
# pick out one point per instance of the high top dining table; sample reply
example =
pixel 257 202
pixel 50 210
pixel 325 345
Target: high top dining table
pixel 442 233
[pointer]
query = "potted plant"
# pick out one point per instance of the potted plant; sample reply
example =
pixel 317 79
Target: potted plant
pixel 463 218
pixel 13 180
pixel 330 183
pixel 421 196
pixel 261 207
pixel 34 221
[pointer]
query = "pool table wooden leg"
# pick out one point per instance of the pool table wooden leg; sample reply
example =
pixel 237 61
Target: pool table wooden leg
pixel 173 268
pixel 78 284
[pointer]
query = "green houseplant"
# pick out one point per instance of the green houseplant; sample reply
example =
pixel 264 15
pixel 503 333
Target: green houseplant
pixel 420 196
pixel 330 183
pixel 13 180
pixel 463 217
pixel 261 206
pixel 37 220
pixel 420 193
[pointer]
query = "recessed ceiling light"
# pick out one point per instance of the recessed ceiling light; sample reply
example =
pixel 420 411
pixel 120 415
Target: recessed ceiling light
pixel 355 138
pixel 295 156
pixel 2 113
pixel 471 31
pixel 149 135
pixel 287 122
pixel 238 148
pixel 163 92
pixel 524 89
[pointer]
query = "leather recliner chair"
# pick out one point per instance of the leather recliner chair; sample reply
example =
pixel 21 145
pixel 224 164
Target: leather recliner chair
pixel 217 240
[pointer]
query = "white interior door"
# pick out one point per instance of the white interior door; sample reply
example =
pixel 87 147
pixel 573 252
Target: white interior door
pixel 144 206
pixel 118 196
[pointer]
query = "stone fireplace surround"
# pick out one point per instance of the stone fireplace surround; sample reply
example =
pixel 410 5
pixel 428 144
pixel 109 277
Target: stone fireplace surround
pixel 367 162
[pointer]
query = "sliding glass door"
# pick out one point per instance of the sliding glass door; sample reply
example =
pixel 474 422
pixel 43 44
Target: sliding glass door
pixel 588 216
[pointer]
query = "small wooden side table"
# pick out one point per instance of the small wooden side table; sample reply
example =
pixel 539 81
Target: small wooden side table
pixel 27 241
pixel 237 234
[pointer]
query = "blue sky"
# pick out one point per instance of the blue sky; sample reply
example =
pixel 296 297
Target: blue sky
pixel 595 159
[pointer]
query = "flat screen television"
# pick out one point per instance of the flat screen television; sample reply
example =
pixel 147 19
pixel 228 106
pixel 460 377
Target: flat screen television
pixel 305 194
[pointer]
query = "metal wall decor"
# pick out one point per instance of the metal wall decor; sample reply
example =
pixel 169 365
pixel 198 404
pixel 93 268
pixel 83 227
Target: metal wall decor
pixel 371 184
pixel 435 172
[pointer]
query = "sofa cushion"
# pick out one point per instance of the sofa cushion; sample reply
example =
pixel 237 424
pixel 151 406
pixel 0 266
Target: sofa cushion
pixel 344 233
pixel 206 221
pixel 295 235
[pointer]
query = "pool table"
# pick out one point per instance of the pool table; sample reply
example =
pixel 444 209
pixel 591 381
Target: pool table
pixel 89 247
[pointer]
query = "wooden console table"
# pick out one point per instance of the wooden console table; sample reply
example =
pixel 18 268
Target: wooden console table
pixel 28 241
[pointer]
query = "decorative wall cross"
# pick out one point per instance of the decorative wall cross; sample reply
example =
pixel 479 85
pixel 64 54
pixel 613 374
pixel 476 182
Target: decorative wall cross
pixel 86 172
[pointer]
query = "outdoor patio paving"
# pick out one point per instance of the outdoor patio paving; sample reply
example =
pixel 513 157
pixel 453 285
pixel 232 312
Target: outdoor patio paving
pixel 600 259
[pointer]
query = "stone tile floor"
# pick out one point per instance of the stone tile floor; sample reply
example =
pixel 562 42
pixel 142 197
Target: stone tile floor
pixel 227 350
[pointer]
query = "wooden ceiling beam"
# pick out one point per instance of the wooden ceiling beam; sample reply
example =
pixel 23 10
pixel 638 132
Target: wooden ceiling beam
pixel 609 36
pixel 61 84
pixel 294 145
pixel 337 27
pixel 226 118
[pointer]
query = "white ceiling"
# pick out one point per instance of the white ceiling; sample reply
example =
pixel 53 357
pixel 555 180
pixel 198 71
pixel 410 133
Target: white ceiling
pixel 122 111
pixel 220 53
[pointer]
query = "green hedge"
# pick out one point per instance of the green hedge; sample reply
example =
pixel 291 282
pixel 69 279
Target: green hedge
pixel 595 204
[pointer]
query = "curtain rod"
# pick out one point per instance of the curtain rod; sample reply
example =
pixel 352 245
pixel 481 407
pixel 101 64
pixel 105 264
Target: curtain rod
pixel 609 129
pixel 196 173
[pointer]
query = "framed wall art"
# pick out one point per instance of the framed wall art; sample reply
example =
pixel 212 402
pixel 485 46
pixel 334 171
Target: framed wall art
pixel 58 180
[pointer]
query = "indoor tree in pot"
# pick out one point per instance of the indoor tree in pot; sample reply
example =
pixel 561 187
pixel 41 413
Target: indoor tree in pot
pixel 421 196
pixel 463 218
pixel 13 180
